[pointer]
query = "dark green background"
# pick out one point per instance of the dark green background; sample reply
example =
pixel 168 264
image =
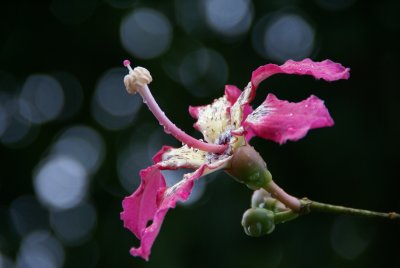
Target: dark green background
pixel 355 163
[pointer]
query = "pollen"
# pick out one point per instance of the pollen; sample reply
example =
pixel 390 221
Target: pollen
pixel 137 78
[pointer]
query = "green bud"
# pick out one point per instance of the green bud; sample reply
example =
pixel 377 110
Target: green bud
pixel 263 199
pixel 248 167
pixel 258 221
pixel 259 197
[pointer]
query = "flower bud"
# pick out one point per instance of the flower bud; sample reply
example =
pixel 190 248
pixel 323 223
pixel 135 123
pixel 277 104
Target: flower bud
pixel 258 221
pixel 263 199
pixel 248 167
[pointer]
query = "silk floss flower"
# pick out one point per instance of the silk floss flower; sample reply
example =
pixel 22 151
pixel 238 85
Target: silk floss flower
pixel 227 125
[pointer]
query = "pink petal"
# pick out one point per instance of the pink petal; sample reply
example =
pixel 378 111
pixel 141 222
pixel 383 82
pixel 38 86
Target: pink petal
pixel 195 110
pixel 158 156
pixel 327 70
pixel 140 207
pixel 150 203
pixel 280 121
pixel 232 93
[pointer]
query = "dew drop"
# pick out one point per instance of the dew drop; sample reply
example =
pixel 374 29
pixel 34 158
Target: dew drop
pixel 166 130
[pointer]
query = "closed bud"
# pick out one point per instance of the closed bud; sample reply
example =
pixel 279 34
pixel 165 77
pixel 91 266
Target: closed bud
pixel 258 221
pixel 263 199
pixel 248 167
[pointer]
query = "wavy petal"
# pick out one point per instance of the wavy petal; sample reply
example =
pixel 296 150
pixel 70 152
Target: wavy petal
pixel 144 211
pixel 280 121
pixel 327 70
pixel 140 208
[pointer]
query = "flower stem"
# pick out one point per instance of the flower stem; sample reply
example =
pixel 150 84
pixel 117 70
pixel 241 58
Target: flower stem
pixel 308 206
pixel 285 216
pixel 137 81
pixel 305 205
pixel 288 200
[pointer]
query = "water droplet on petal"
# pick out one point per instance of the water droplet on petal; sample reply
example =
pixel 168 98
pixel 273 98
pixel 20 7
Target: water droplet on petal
pixel 166 130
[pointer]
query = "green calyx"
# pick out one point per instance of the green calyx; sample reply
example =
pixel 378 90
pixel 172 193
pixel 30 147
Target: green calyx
pixel 248 167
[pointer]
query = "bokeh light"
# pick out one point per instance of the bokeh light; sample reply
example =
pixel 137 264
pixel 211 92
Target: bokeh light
pixel 6 262
pixel 19 131
pixel 60 182
pixel 40 249
pixel 74 226
pixel 228 17
pixel 27 215
pixel 130 162
pixel 156 139
pixel 203 72
pixel 283 36
pixel 146 33
pixel 45 98
pixel 73 94
pixel 349 238
pixel 82 144
pixel 145 142
pixel 191 22
pixel 112 106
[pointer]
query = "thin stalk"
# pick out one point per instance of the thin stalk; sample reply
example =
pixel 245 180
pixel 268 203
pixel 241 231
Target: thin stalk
pixel 310 206
pixel 288 200
pixel 285 216
pixel 169 127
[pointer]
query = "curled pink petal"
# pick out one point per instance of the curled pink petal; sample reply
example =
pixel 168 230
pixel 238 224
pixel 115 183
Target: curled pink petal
pixel 194 111
pixel 144 211
pixel 280 121
pixel 232 93
pixel 327 70
pixel 158 156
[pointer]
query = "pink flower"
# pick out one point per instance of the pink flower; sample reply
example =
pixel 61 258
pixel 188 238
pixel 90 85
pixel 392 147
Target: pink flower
pixel 226 124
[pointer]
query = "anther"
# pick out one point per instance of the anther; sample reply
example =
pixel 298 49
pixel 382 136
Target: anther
pixel 137 78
